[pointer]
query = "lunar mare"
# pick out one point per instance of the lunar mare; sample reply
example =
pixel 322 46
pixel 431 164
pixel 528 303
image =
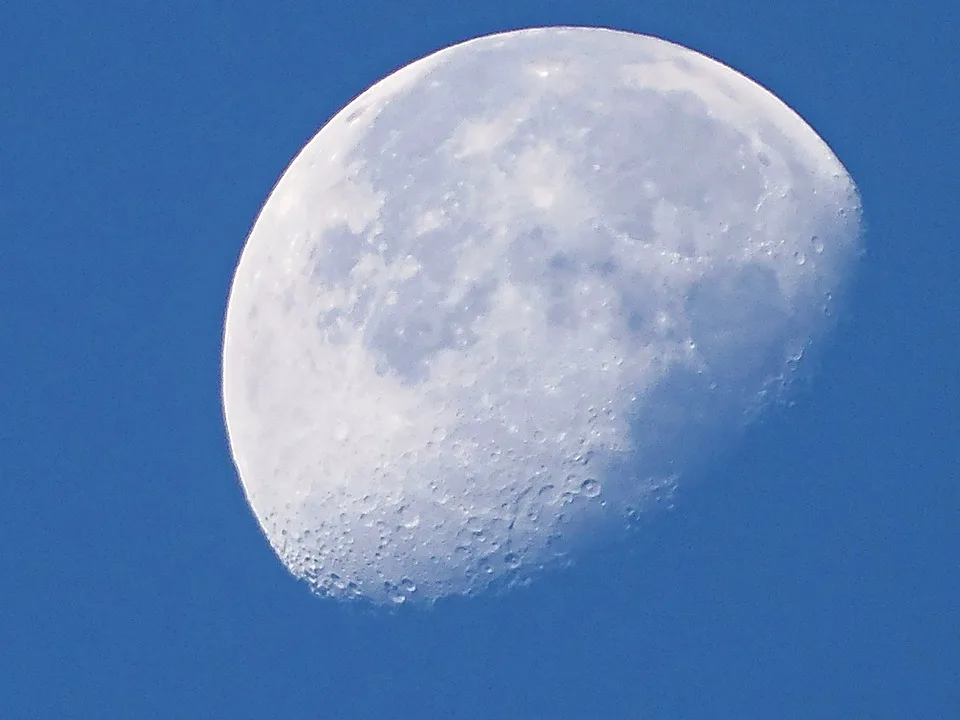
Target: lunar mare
pixel 503 299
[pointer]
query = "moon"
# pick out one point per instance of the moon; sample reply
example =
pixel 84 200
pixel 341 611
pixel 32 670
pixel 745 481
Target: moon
pixel 508 297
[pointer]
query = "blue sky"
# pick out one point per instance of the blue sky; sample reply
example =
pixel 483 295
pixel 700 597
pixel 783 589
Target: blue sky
pixel 812 574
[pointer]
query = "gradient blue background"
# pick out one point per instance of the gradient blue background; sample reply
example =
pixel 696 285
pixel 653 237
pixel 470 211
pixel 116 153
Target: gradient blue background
pixel 812 574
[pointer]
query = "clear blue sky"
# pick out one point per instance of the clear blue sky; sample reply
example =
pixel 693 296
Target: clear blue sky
pixel 812 574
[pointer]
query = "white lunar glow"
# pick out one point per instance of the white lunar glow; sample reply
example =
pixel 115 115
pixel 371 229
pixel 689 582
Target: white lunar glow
pixel 501 299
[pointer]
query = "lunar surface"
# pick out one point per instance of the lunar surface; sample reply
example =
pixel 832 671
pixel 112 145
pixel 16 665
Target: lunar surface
pixel 510 295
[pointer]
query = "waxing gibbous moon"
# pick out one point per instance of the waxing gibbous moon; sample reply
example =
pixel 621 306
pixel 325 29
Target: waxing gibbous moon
pixel 505 297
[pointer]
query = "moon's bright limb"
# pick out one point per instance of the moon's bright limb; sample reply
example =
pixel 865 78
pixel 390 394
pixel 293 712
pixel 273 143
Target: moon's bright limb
pixel 501 298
